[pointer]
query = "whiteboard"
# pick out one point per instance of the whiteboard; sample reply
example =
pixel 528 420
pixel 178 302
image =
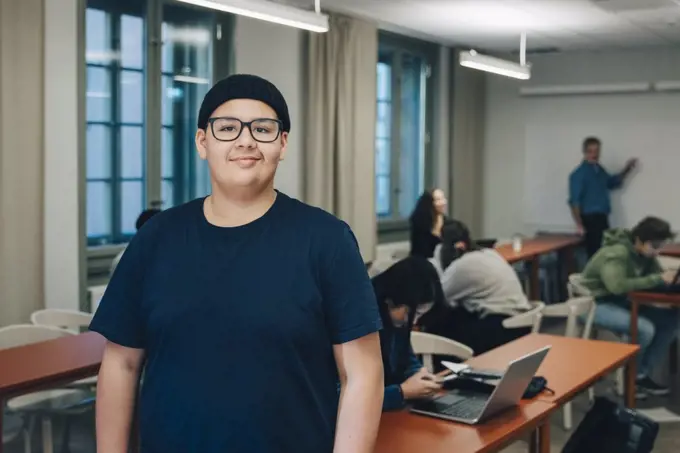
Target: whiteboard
pixel 646 126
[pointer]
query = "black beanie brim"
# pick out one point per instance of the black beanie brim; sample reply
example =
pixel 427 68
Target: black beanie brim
pixel 244 86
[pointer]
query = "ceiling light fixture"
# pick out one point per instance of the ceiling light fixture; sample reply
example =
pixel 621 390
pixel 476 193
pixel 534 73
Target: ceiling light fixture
pixel 521 70
pixel 271 12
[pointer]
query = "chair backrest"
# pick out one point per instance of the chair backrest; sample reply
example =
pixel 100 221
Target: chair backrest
pixel 531 318
pixel 574 310
pixel 66 319
pixel 24 334
pixel 575 286
pixel 96 293
pixel 426 345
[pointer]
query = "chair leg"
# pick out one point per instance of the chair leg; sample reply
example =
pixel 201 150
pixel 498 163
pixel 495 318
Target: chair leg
pixel 48 444
pixel 28 434
pixel 620 382
pixel 567 415
pixel 66 437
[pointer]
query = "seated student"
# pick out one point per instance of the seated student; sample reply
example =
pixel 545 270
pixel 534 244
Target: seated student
pixel 426 222
pixel 144 217
pixel 405 292
pixel 481 288
pixel 627 262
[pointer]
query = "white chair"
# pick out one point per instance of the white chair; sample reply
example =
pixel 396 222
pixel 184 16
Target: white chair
pixel 73 321
pixel 576 288
pixel 573 310
pixel 531 318
pixel 428 345
pixel 42 405
pixel 96 293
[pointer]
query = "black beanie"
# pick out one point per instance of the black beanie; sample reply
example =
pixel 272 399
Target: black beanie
pixel 243 86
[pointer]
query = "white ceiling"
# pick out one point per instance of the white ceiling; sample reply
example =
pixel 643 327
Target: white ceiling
pixel 497 24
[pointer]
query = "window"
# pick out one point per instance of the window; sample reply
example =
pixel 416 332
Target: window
pixel 141 106
pixel 404 100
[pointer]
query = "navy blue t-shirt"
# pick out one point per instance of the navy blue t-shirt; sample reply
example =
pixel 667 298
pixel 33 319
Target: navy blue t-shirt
pixel 238 326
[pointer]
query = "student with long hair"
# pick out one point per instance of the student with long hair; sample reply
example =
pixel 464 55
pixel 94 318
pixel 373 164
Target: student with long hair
pixel 426 222
pixel 405 292
pixel 481 288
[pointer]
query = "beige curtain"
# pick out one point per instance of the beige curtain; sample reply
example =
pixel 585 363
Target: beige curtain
pixel 21 159
pixel 339 152
pixel 468 99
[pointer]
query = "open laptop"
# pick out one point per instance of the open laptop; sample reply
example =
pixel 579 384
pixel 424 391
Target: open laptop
pixel 473 407
pixel 673 287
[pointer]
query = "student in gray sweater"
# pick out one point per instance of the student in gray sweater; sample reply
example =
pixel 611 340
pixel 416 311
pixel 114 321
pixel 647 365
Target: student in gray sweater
pixel 481 289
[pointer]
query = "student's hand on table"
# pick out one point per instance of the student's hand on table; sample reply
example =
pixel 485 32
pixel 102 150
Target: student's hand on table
pixel 669 276
pixel 420 385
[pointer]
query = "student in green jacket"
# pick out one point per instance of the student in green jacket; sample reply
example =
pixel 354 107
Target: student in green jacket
pixel 628 262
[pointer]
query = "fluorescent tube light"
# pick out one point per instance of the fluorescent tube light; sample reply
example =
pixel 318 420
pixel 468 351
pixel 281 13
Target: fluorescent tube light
pixel 609 88
pixel 191 79
pixel 667 85
pixel 270 12
pixel 471 59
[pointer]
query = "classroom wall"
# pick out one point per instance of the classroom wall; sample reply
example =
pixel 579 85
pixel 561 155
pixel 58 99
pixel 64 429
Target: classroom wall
pixel 507 117
pixel 276 53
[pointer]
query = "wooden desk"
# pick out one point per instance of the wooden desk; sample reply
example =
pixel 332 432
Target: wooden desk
pixel 636 299
pixel 48 364
pixel 672 250
pixel 571 366
pixel 403 432
pixel 532 249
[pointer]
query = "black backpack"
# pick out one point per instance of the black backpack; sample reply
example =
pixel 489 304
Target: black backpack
pixel 611 428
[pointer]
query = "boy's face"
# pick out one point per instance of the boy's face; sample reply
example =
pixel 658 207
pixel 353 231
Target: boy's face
pixel 243 161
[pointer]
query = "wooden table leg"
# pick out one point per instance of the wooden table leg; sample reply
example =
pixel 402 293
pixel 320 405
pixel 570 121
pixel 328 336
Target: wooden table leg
pixel 534 280
pixel 631 369
pixel 540 439
pixel 2 410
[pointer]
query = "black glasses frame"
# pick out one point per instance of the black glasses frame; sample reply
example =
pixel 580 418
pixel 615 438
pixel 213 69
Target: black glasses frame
pixel 244 124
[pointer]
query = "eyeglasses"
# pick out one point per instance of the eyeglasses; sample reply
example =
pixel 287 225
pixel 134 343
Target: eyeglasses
pixel 263 130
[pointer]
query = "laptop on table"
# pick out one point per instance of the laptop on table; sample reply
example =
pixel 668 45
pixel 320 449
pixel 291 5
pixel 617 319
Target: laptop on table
pixel 473 407
pixel 672 288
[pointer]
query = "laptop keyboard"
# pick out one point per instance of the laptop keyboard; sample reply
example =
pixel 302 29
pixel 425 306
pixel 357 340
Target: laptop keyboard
pixel 467 408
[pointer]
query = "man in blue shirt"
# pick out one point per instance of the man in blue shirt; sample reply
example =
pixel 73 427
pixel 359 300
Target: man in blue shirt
pixel 589 186
pixel 245 309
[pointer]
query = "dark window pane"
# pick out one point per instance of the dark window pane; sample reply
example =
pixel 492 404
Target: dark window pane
pixel 167 153
pixel 412 133
pixel 131 97
pixel 98 209
pixel 98 37
pixel 132 155
pixel 132 42
pixel 98 94
pixel 131 202
pixel 382 195
pixel 98 160
pixel 168 193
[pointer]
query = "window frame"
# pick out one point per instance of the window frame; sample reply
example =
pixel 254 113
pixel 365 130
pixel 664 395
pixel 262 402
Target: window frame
pixel 396 229
pixel 151 124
